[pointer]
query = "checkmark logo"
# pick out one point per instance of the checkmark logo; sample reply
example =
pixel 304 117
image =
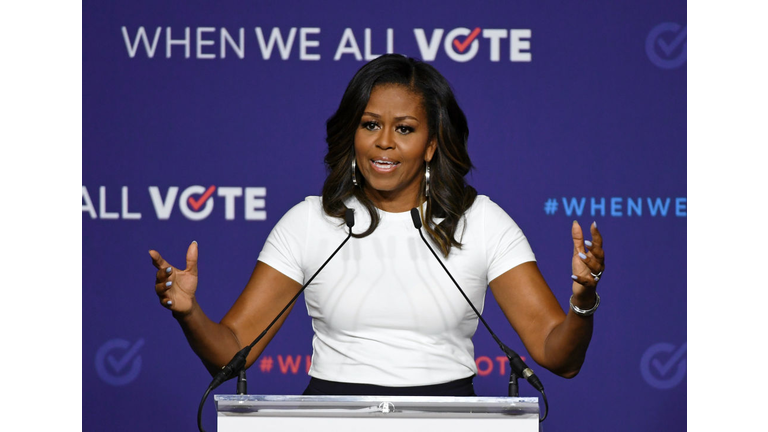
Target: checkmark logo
pixel 663 366
pixel 669 47
pixel 118 361
pixel 119 364
pixel 462 46
pixel 197 203
pixel 666 45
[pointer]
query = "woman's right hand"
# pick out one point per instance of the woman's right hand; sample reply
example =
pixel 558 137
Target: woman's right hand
pixel 176 288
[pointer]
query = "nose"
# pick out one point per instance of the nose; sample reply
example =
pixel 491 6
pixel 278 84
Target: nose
pixel 386 139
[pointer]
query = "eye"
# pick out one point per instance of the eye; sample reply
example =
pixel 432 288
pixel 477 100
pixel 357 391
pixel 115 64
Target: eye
pixel 370 125
pixel 404 129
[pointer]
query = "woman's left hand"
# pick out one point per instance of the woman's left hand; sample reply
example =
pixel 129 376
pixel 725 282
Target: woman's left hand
pixel 588 261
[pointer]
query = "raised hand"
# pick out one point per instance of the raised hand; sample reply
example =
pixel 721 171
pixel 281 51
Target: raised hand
pixel 176 288
pixel 588 260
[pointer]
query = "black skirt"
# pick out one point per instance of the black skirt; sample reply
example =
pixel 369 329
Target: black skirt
pixel 319 387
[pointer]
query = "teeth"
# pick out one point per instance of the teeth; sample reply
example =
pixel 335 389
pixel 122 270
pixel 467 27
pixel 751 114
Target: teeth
pixel 384 162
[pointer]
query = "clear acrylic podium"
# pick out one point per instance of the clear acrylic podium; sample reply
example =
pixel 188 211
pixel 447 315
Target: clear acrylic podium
pixel 241 413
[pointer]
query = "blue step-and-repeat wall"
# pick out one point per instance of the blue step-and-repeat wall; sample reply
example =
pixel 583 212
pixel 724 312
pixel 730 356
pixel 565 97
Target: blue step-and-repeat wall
pixel 206 121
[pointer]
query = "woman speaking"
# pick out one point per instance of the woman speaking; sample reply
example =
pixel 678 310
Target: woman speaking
pixel 387 319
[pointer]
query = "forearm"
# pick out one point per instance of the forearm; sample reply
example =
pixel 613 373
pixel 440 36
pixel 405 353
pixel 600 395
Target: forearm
pixel 566 345
pixel 214 343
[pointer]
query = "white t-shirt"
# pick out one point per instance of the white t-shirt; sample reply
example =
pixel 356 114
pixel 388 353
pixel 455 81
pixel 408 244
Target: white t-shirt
pixel 383 310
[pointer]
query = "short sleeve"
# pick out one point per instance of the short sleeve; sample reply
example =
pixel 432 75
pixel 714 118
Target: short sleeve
pixel 506 245
pixel 285 244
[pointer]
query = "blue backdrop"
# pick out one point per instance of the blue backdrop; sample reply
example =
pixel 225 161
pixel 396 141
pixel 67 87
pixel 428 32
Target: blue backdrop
pixel 206 121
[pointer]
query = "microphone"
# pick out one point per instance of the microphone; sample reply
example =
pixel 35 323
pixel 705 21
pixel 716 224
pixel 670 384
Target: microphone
pixel 238 361
pixel 516 364
pixel 242 383
pixel 349 218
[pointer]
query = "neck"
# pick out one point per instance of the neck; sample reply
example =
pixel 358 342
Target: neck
pixel 393 202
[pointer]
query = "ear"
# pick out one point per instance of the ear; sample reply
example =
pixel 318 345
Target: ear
pixel 431 148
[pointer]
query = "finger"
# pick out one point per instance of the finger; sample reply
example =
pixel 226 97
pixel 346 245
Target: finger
pixel 162 287
pixel 192 259
pixel 596 245
pixel 585 281
pixel 578 238
pixel 168 303
pixel 164 274
pixel 592 263
pixel 158 260
pixel 597 238
pixel 596 252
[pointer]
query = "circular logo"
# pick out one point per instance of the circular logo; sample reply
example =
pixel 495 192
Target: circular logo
pixel 118 362
pixel 667 45
pixel 190 207
pixel 462 49
pixel 387 407
pixel 663 365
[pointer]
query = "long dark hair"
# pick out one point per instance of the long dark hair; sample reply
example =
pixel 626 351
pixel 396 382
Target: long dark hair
pixel 449 194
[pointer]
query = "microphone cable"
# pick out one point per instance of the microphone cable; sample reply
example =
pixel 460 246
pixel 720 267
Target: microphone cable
pixel 238 361
pixel 516 365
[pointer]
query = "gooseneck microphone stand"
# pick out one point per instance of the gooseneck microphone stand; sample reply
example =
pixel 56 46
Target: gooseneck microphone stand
pixel 237 363
pixel 516 365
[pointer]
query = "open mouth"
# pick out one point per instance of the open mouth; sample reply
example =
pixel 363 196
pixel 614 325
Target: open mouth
pixel 384 165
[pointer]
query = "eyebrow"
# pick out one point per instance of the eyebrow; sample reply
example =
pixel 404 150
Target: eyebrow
pixel 374 115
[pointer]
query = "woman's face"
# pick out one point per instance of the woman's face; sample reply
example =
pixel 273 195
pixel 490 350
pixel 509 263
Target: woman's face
pixel 391 147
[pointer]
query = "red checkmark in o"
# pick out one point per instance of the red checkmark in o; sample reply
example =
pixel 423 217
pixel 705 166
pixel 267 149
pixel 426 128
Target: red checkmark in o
pixel 463 46
pixel 196 204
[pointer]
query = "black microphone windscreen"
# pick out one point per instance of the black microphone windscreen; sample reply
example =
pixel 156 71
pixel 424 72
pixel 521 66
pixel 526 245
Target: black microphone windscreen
pixel 349 217
pixel 416 218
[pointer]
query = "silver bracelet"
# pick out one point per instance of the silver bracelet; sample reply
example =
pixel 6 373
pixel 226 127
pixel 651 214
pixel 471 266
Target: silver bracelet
pixel 585 312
